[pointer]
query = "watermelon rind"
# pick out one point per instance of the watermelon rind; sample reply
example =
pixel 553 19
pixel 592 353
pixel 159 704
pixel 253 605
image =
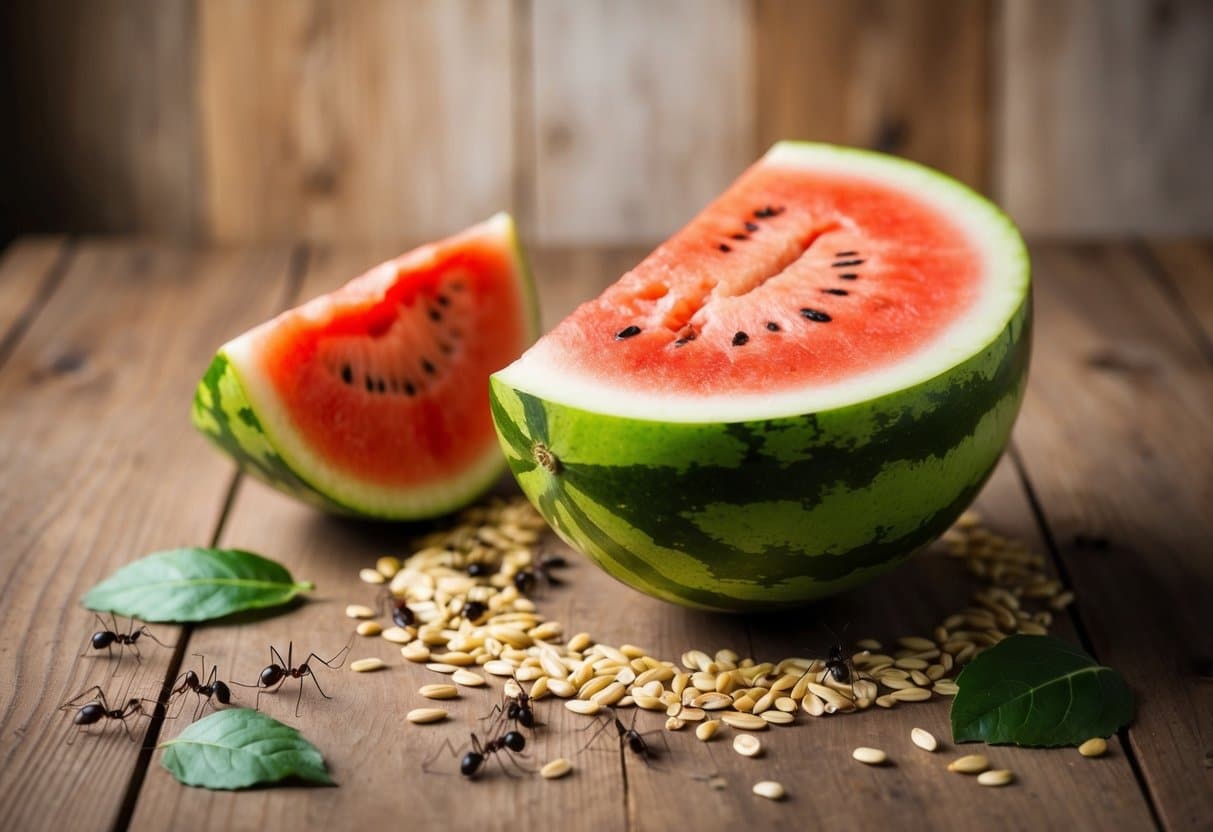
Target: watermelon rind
pixel 764 502
pixel 239 413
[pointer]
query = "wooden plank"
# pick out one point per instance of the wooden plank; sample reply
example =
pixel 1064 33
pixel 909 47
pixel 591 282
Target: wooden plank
pixel 370 120
pixel 642 114
pixel 100 465
pixel 372 752
pixel 1116 441
pixel 812 759
pixel 906 78
pixel 1185 268
pixel 1098 121
pixel 101 133
pixel 27 269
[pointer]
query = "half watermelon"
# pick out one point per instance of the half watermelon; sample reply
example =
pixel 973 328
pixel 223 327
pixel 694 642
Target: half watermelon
pixel 798 390
pixel 373 399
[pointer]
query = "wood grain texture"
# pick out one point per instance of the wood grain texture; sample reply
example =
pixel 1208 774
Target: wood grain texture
pixel 27 270
pixel 1105 113
pixel 642 114
pixel 1185 269
pixel 1116 444
pixel 100 466
pixel 369 120
pixel 101 134
pixel 905 78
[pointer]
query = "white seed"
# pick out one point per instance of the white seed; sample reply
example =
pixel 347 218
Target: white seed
pixel 359 611
pixel 562 688
pixel 456 658
pixel 439 691
pixel 674 724
pixel 371 576
pixel 1094 747
pixel 422 716
pixel 397 635
pixel 369 628
pixel 610 694
pixel 786 704
pixel 916 643
pixel 868 644
pixel 387 566
pixel 744 722
pixel 770 790
pixel 911 695
pixel 500 667
pixel 439 667
pixel 747 745
pixel 367 665
pixel 870 756
pixel 969 764
pixel 706 730
pixel 995 777
pixel 467 678
pixel 812 705
pixel 924 739
pixel 579 642
pixel 585 707
pixel 945 687
pixel 777 717
pixel 555 769
pixel 539 689
pixel 512 688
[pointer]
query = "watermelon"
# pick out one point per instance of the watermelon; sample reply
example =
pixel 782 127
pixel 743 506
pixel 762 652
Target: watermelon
pixel 797 391
pixel 373 400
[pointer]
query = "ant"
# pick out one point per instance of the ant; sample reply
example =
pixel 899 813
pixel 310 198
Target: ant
pixel 189 680
pixel 402 613
pixel 105 639
pixel 510 742
pixel 99 708
pixel 275 674
pixel 838 664
pixel 525 580
pixel 516 708
pixel 630 737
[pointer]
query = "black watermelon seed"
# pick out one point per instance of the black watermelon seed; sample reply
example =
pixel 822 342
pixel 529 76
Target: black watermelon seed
pixel 435 315
pixel 835 292
pixel 381 386
pixel 370 385
pixel 725 248
pixel 739 236
pixel 347 375
pixel 443 300
pixel 751 227
pixel 772 326
pixel 627 332
pixel 409 388
pixel 816 315
pixel 682 342
pixel 456 287
pixel 844 263
pixel 845 253
pixel 740 339
pixel 849 276
pixel 427 366
pixel 445 349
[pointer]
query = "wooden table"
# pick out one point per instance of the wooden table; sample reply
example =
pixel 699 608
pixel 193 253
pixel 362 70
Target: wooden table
pixel 1110 473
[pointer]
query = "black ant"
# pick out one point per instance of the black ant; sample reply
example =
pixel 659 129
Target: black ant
pixel 105 639
pixel 99 708
pixel 471 763
pixel 275 674
pixel 516 708
pixel 838 664
pixel 190 681
pixel 630 737
pixel 402 613
pixel 525 580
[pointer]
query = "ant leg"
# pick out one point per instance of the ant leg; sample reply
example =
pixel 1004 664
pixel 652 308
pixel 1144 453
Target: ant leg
pixel 276 658
pixel 446 746
pixel 316 682
pixel 100 696
pixel 340 654
pixel 145 631
pixel 299 698
pixel 604 724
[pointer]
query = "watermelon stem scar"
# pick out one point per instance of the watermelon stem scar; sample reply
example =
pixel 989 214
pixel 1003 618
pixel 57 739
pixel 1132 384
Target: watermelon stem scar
pixel 545 458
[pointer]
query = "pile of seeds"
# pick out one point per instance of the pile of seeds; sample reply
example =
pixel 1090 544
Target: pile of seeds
pixel 463 588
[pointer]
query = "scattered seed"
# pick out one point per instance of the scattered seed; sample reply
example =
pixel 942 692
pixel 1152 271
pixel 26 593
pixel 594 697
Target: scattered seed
pixel 415 652
pixel 769 789
pixel 367 665
pixel 674 724
pixel 397 635
pixel 924 739
pixel 747 745
pixel 585 707
pixel 1094 747
pixel 772 326
pixel 868 644
pixel 359 611
pixel 627 332
pixel 469 679
pixel 372 576
pixel 996 777
pixel 706 730
pixel 555 769
pixel 969 764
pixel 870 756
pixel 422 716
pixel 744 722
pixel 369 628
pixel 387 566
pixel 778 717
pixel 815 315
pixel 740 339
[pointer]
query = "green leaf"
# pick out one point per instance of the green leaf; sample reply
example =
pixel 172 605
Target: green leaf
pixel 194 584
pixel 239 747
pixel 1038 691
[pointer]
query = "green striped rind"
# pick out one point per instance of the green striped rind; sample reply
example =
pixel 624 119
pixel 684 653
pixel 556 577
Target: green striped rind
pixel 767 513
pixel 223 413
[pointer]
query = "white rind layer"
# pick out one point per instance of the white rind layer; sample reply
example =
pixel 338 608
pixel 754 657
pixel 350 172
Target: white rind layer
pixel 545 374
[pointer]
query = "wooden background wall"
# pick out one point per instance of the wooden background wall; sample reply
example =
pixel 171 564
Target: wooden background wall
pixel 592 120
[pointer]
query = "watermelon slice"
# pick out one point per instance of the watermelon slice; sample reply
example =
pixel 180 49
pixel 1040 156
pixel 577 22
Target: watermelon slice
pixel 798 390
pixel 373 399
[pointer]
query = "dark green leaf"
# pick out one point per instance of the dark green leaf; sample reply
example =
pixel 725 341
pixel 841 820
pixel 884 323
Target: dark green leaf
pixel 194 584
pixel 1040 691
pixel 239 747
